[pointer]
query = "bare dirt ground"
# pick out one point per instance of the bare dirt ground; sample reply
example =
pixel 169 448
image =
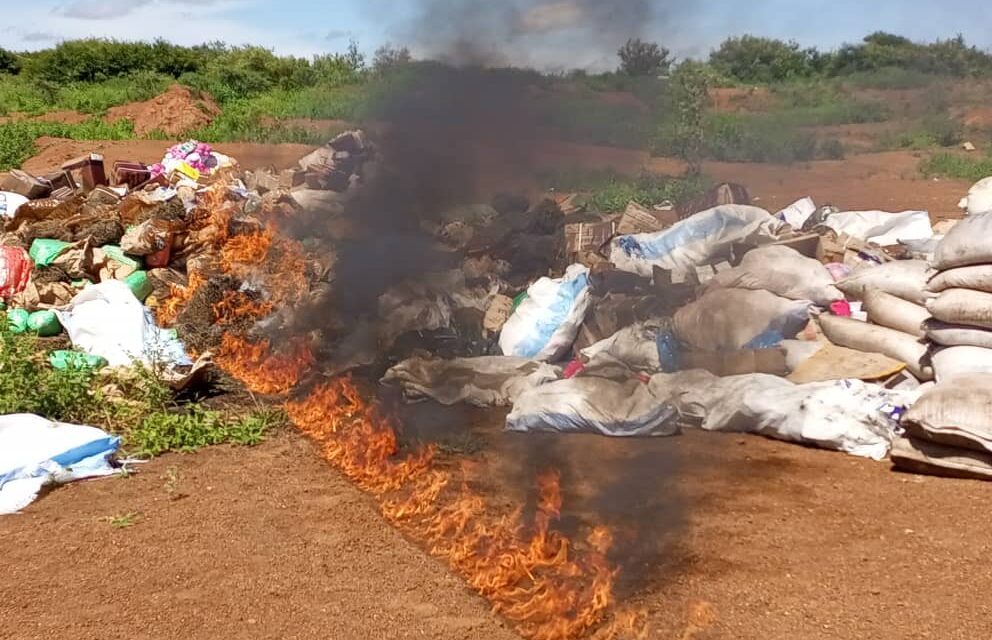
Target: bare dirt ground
pixel 778 541
pixel 174 112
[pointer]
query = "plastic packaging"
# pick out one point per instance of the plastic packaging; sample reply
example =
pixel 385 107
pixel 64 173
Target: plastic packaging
pixel 63 360
pixel 44 251
pixel 44 323
pixel 139 284
pixel 17 321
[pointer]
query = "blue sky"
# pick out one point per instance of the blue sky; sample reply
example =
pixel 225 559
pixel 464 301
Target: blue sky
pixel 305 27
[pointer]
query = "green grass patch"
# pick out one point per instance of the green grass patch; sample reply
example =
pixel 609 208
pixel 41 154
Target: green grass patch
pixel 891 78
pixel 761 138
pixel 36 96
pixel 136 405
pixel 952 165
pixel 610 192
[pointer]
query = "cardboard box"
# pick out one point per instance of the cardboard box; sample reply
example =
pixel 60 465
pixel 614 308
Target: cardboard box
pixel 27 185
pixel 588 236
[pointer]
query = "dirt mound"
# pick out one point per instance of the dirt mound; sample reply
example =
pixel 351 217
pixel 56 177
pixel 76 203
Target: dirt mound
pixel 175 112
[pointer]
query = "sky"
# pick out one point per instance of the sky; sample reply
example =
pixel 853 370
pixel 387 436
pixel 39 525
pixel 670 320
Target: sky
pixel 690 28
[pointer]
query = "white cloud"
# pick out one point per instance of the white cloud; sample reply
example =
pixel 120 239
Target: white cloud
pixel 97 9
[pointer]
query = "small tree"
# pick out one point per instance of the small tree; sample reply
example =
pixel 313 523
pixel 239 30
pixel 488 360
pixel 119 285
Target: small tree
pixel 639 58
pixel 690 97
pixel 388 58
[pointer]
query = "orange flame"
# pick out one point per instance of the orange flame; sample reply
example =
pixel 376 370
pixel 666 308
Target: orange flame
pixel 547 587
pixel 251 249
pixel 171 307
pixel 236 306
pixel 258 368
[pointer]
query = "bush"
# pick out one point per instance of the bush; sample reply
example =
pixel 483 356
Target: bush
pixel 757 138
pixel 9 62
pixel 764 60
pixel 887 51
pixel 639 58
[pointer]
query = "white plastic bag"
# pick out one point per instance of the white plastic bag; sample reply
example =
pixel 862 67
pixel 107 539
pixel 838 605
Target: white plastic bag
pixel 895 313
pixel 699 239
pixel 730 319
pixel 979 198
pixel 484 382
pixel 591 404
pixel 958 414
pixel 9 203
pixel 977 277
pixel 861 336
pixel 958 335
pixel 797 213
pixel 783 271
pixel 35 452
pixel 844 415
pixel 636 346
pixel 967 243
pixel 880 227
pixel 107 320
pixel 952 363
pixel 906 279
pixel 544 326
pixel 963 306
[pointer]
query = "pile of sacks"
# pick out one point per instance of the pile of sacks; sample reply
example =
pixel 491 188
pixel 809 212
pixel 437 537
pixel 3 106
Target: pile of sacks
pixel 614 347
pixel 950 429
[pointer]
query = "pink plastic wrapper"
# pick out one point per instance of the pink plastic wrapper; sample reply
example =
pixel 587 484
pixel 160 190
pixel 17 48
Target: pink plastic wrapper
pixel 841 308
pixel 838 271
pixel 574 368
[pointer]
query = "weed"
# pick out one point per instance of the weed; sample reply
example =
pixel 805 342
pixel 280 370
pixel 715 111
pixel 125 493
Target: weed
pixel 123 520
pixel 17 138
pixel 610 192
pixel 171 483
pixel 951 165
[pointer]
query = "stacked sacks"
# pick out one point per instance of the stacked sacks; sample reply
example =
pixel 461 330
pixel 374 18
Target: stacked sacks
pixel 961 300
pixel 893 295
pixel 949 431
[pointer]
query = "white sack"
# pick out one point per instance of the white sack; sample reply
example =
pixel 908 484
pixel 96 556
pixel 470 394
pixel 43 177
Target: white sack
pixel 591 404
pixel 10 202
pixel 880 227
pixel 844 415
pixel 895 313
pixel 954 362
pixel 546 323
pixel 730 319
pixel 797 213
pixel 958 414
pixel 35 452
pixel 961 306
pixel 106 320
pixel 906 279
pixel 977 277
pixel 636 346
pixel 799 351
pixel 979 198
pixel 484 382
pixel 783 271
pixel 699 239
pixel 967 243
pixel 958 335
pixel 871 338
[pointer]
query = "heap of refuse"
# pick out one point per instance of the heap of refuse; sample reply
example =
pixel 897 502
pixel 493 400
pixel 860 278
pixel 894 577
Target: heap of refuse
pixel 811 325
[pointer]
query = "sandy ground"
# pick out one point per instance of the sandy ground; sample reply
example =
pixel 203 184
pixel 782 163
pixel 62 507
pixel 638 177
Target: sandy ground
pixel 778 541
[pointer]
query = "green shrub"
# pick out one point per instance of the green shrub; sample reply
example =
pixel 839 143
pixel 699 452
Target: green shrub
pixel 188 429
pixel 764 60
pixel 756 138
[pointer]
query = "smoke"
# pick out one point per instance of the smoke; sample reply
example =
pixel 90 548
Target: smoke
pixel 564 33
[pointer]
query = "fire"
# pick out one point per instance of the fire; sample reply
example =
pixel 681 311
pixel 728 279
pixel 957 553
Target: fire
pixel 250 249
pixel 171 307
pixel 237 305
pixel 261 370
pixel 533 575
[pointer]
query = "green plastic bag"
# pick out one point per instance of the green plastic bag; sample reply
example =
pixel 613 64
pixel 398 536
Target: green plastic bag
pixel 45 323
pixel 44 250
pixel 63 360
pixel 117 254
pixel 139 284
pixel 17 321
